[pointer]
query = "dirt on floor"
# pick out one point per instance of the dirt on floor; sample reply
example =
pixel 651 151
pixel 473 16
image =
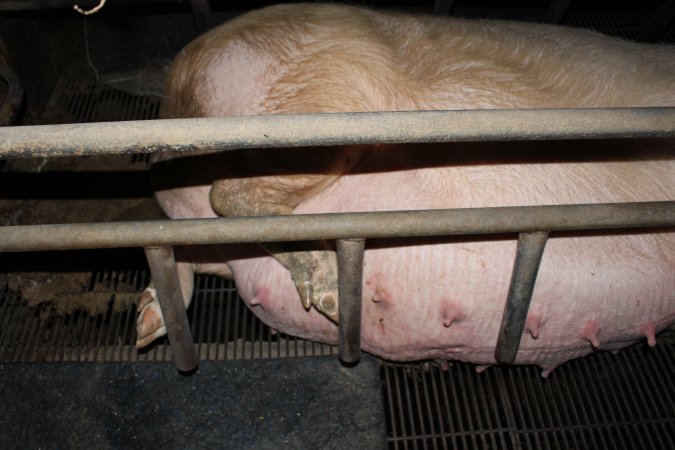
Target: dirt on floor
pixel 47 194
pixel 70 292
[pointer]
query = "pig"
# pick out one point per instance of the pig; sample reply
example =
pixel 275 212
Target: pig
pixel 437 298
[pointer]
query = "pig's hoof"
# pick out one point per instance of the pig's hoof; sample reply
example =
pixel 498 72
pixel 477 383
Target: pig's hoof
pixel 315 277
pixel 150 323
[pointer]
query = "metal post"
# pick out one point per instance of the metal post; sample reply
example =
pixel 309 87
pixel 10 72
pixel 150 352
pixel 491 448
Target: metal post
pixel 525 268
pixel 165 278
pixel 350 282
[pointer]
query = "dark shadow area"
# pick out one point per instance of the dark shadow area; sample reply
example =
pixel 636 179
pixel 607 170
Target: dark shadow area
pixel 75 185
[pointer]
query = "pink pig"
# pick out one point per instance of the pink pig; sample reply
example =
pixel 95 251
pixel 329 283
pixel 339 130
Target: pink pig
pixel 438 298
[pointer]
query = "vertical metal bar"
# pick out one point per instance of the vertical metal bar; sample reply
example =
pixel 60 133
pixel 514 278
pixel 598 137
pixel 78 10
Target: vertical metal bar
pixel 350 281
pixel 165 278
pixel 528 256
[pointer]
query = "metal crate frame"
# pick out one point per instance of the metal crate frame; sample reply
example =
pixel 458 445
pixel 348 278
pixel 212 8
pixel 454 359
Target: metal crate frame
pixel 349 229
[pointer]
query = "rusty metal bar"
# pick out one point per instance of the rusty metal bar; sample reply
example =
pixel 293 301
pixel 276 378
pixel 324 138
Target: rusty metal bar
pixel 165 278
pixel 440 222
pixel 225 133
pixel 528 256
pixel 350 283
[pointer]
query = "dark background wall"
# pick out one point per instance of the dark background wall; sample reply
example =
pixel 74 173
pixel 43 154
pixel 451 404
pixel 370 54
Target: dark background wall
pixel 46 38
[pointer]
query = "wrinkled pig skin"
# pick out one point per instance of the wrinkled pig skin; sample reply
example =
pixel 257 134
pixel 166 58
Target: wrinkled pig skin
pixel 439 298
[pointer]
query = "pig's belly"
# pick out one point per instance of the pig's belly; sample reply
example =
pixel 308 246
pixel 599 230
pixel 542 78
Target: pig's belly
pixel 445 299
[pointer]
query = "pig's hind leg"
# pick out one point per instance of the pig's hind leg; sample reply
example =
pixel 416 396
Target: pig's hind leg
pixel 150 322
pixel 260 189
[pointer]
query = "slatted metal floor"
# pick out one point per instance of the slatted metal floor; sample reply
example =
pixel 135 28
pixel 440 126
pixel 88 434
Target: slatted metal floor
pixel 223 327
pixel 603 401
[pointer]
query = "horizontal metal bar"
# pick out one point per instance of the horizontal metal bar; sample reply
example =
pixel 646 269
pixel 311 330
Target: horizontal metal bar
pixel 350 283
pixel 169 295
pixel 525 267
pixel 223 133
pixel 337 226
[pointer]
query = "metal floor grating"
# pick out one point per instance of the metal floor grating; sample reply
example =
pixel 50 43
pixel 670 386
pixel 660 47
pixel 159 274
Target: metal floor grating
pixel 602 401
pixel 223 328
pixel 84 100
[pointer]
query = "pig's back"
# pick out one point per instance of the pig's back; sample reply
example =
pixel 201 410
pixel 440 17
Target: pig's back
pixel 337 58
pixel 328 58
